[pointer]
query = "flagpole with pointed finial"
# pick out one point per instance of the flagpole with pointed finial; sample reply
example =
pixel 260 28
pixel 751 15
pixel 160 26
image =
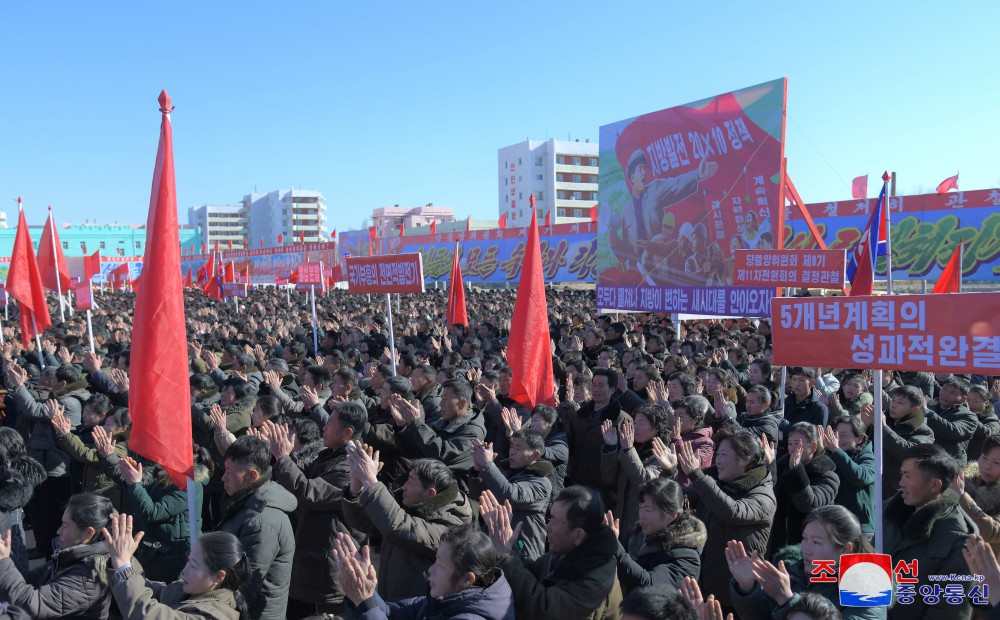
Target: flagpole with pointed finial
pixel 877 436
pixel 888 232
pixel 55 260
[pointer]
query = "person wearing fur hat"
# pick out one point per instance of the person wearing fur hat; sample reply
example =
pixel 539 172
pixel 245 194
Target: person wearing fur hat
pixel 20 475
pixel 666 543
pixel 978 489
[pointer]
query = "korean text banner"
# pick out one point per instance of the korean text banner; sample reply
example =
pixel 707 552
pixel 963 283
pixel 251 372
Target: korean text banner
pixel 682 189
pixel 495 255
pixel 392 273
pixel 925 229
pixel 797 268
pixel 956 333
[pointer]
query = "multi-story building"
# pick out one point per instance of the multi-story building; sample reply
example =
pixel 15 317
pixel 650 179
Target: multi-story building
pixel 561 175
pixel 291 213
pixel 128 240
pixel 386 220
pixel 222 224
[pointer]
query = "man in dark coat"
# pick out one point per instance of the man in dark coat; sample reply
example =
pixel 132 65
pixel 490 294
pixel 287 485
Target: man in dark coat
pixel 951 420
pixel 319 491
pixel 583 429
pixel 902 429
pixel 255 510
pixel 802 403
pixel 925 527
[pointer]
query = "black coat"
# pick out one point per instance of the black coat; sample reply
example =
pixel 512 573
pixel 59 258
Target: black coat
pixel 799 490
pixel 664 559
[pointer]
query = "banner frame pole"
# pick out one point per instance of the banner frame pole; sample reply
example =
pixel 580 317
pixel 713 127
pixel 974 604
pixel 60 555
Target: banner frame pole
pixel 312 295
pixel 392 336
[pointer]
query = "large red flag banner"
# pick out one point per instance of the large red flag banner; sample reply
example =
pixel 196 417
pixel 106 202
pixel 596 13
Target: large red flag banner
pixel 456 313
pixel 529 348
pixel 24 284
pixel 160 393
pixel 951 278
pixel 957 333
pixel 51 260
pixel 683 189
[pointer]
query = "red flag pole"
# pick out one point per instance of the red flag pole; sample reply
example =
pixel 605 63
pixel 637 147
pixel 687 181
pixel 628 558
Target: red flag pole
pixel 888 236
pixel 55 261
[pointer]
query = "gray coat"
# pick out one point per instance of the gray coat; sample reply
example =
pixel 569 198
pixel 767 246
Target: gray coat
pixel 73 584
pixel 628 469
pixel 140 599
pixel 953 429
pixel 258 517
pixel 528 490
pixel 410 535
pixel 42 444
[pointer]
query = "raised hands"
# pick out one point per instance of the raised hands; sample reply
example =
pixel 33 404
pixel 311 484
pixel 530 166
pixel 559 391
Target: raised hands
pixel 665 455
pixel 91 362
pixel 131 470
pixel 277 436
pixel 14 375
pixel 273 380
pixel 687 459
pixel 511 420
pixel 120 378
pixel 612 522
pixel 211 362
pixel 364 464
pixel 357 577
pixel 121 543
pixel 497 518
pixel 982 561
pixel 828 438
pixel 741 565
pixel 484 393
pixel 773 579
pixel 795 456
pixel 218 418
pixel 626 434
pixel 403 411
pixel 768 448
pixel 103 443
pixel 482 454
pixel 64 355
pixel 309 397
pixel 57 413
pixel 609 433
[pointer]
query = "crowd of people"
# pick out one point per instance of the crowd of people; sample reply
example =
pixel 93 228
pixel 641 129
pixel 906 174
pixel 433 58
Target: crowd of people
pixel 665 480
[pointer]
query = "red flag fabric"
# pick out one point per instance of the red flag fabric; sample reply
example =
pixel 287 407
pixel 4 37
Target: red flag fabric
pixel 951 277
pixel 216 270
pixel 859 187
pixel 529 349
pixel 120 274
pixel 91 265
pixel 548 218
pixel 502 222
pixel 302 237
pixel 401 229
pixel 333 234
pixel 24 284
pixel 262 242
pixel 135 284
pixel 216 246
pixel 294 277
pixel 281 238
pixel 371 233
pixel 456 313
pixel 434 227
pixel 593 213
pixel 531 199
pixel 189 279
pixel 202 276
pixel 204 249
pixel 951 183
pixel 160 393
pixel 230 274
pixel 230 244
pixel 51 260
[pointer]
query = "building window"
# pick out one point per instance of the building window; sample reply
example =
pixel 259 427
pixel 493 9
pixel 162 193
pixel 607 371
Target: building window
pixel 65 245
pixel 560 159
pixel 541 196
pixel 138 245
pixel 577 178
pixel 559 177
pixel 102 245
pixel 560 195
pixel 505 180
pixel 577 195
pixel 538 177
pixel 520 195
pixel 576 161
pixel 518 161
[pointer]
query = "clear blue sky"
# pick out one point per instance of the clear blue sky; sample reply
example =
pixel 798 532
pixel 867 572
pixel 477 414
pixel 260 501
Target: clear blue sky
pixel 382 103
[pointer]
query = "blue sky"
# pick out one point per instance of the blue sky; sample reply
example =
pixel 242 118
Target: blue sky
pixel 376 104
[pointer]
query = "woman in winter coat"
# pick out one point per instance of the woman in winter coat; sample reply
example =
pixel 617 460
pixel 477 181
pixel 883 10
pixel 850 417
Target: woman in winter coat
pixel 807 479
pixel 74 583
pixel 465 582
pixel 159 507
pixel 762 590
pixel 978 489
pixel 691 427
pixel 627 460
pixel 209 587
pixel 851 397
pixel 116 423
pixel 988 425
pixel 846 443
pixel 734 499
pixel 666 544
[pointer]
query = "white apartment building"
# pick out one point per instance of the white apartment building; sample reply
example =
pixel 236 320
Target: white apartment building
pixel 288 212
pixel 386 220
pixel 561 175
pixel 224 224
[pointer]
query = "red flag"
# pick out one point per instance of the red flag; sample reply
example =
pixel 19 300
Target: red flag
pixel 135 284
pixel 302 237
pixel 531 199
pixel 294 277
pixel 951 183
pixel 281 239
pixel 213 287
pixel 51 260
pixel 456 313
pixel 548 218
pixel 120 274
pixel 202 276
pixel 951 277
pixel 160 393
pixel 859 187
pixel 204 248
pixel 872 244
pixel 230 244
pixel 333 234
pixel 188 279
pixel 401 229
pixel 91 265
pixel 371 240
pixel 371 233
pixel 593 213
pixel 529 350
pixel 502 222
pixel 262 242
pixel 216 246
pixel 83 246
pixel 230 272
pixel 434 227
pixel 24 284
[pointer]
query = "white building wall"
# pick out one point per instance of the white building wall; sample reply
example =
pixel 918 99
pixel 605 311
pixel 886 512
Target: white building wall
pixel 531 167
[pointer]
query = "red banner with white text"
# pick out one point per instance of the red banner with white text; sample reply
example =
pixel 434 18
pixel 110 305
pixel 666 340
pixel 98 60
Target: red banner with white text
pixel 797 268
pixel 391 273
